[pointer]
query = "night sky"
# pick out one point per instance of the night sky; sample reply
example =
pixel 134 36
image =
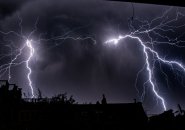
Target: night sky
pixel 88 68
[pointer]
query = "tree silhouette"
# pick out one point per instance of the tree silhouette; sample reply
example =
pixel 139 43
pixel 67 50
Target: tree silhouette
pixel 62 99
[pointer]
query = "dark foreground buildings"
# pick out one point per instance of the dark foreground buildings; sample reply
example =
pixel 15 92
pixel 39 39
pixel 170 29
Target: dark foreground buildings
pixel 61 113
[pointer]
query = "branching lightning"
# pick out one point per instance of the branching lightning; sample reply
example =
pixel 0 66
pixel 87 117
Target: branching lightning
pixel 148 34
pixel 18 52
pixel 145 50
pixel 143 32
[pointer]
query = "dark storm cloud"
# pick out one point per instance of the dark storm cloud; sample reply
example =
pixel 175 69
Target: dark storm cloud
pixel 7 7
pixel 81 68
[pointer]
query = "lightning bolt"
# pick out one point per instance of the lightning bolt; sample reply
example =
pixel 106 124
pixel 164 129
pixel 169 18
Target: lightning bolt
pixel 17 52
pixel 144 31
pixel 115 41
pixel 16 61
pixel 146 34
pixel 29 45
pixel 7 67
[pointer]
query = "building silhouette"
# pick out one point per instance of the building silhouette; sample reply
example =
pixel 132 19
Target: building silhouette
pixel 9 93
pixel 61 112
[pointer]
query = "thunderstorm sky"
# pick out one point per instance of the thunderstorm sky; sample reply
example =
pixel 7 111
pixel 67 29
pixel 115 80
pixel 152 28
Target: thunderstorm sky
pixel 88 68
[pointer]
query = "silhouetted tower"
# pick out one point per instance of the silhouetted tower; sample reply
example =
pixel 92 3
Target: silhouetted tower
pixel 104 100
